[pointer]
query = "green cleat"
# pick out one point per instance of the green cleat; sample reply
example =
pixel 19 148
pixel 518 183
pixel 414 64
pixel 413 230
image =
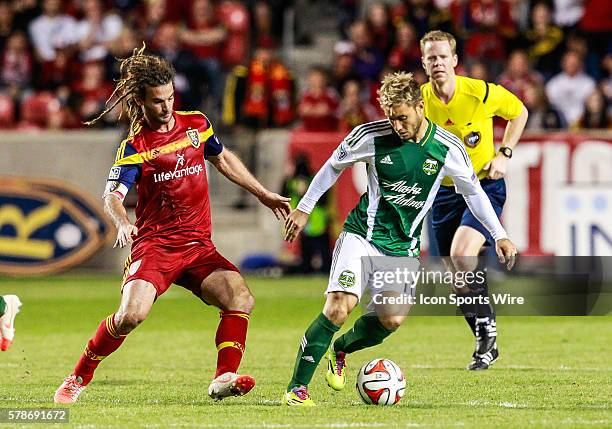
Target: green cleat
pixel 336 369
pixel 298 396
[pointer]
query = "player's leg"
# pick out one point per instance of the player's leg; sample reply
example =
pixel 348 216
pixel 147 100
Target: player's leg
pixel 136 301
pixel 9 307
pixel 466 246
pixel 315 343
pixel 227 290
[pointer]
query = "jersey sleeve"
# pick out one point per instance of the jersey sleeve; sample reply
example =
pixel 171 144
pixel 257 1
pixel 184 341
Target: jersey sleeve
pixel 357 146
pixel 503 102
pixel 212 144
pixel 125 171
pixel 458 166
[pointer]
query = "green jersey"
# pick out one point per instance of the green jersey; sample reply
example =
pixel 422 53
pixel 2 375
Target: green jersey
pixel 403 179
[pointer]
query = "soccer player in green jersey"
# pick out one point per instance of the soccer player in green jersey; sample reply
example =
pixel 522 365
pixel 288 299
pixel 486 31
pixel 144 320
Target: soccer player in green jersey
pixel 465 107
pixel 407 156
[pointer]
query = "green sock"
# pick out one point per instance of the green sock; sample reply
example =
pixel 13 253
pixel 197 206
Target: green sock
pixel 315 342
pixel 2 306
pixel 366 332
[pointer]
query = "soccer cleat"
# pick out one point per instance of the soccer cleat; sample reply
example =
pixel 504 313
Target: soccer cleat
pixel 336 369
pixel 486 334
pixel 298 396
pixel 482 362
pixel 7 321
pixel 230 384
pixel 69 391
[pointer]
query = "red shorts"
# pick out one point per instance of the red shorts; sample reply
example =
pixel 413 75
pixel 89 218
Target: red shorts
pixel 186 266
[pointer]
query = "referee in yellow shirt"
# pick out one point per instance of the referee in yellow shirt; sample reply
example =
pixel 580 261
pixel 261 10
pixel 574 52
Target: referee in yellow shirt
pixel 466 108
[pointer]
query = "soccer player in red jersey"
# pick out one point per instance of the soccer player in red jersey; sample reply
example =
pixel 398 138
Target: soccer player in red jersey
pixel 171 240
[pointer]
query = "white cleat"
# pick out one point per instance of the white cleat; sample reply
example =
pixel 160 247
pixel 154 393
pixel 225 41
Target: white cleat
pixel 230 384
pixel 7 321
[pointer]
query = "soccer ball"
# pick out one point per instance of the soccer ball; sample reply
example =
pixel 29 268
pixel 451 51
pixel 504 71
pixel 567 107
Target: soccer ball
pixel 381 382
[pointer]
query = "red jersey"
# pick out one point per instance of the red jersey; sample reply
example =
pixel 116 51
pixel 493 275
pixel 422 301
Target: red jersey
pixel 168 169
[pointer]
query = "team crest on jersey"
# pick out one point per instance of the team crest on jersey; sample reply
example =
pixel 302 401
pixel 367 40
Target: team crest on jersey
pixel 194 137
pixel 472 139
pixel 430 166
pixel 346 279
pixel 341 154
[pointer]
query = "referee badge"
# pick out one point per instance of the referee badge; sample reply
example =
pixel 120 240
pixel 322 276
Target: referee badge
pixel 194 138
pixel 472 139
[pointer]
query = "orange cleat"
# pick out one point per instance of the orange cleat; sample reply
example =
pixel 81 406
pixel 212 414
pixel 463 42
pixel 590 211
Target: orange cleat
pixel 69 391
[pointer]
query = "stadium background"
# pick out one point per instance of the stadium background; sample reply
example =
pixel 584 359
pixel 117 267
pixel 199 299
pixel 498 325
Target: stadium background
pixel 255 68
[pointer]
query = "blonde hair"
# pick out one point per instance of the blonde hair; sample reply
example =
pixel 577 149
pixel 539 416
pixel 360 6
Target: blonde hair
pixel 137 72
pixel 399 88
pixel 439 36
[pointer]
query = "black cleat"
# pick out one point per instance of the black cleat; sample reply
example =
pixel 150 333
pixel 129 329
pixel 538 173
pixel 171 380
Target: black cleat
pixel 482 362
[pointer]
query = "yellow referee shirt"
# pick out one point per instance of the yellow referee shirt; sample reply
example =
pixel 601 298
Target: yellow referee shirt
pixel 469 115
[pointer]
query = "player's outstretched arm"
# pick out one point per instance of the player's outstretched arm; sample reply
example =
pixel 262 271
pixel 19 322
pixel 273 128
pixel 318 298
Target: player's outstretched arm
pixel 228 164
pixel 126 232
pixel 294 224
pixel 514 129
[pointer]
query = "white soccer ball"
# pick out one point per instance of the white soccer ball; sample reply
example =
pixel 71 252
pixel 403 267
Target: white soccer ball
pixel 381 382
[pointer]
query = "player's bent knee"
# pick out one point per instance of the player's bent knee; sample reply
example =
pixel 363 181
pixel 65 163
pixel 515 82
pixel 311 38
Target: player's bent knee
pixel 127 322
pixel 391 323
pixel 245 302
pixel 336 314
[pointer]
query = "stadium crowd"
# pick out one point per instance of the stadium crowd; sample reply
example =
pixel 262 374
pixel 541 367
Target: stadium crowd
pixel 57 65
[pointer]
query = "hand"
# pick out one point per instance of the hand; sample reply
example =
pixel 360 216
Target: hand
pixel 125 234
pixel 277 203
pixel 497 167
pixel 294 224
pixel 506 252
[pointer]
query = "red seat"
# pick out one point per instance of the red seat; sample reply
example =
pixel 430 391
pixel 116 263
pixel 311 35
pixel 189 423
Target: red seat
pixel 7 111
pixel 36 109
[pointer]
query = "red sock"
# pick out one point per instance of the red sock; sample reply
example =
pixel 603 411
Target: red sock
pixel 105 341
pixel 230 340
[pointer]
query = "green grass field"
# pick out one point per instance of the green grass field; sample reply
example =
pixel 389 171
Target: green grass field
pixel 554 372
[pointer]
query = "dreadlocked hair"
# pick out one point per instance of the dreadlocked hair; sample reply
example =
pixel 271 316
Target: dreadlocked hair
pixel 137 72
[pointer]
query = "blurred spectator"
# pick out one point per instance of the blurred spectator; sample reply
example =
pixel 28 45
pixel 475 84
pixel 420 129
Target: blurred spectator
pixel 205 35
pixel 543 40
pixel 187 83
pixel 16 71
pixel 353 110
pixel 347 14
pixel 6 22
pixel 314 240
pixel 423 15
pixel 235 17
pixel 52 31
pixel 405 54
pixel 155 14
pixel 369 61
pixel 478 70
pixel 380 26
pixel 542 116
pixel 606 83
pixel 577 43
pixel 343 66
pixel 569 90
pixel 518 74
pixel 596 25
pixel 97 31
pixel 262 31
pixel 318 104
pixel 596 113
pixel 486 27
pixel 25 11
pixel 568 12
pixel 92 91
pixel 261 95
pixel 123 47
